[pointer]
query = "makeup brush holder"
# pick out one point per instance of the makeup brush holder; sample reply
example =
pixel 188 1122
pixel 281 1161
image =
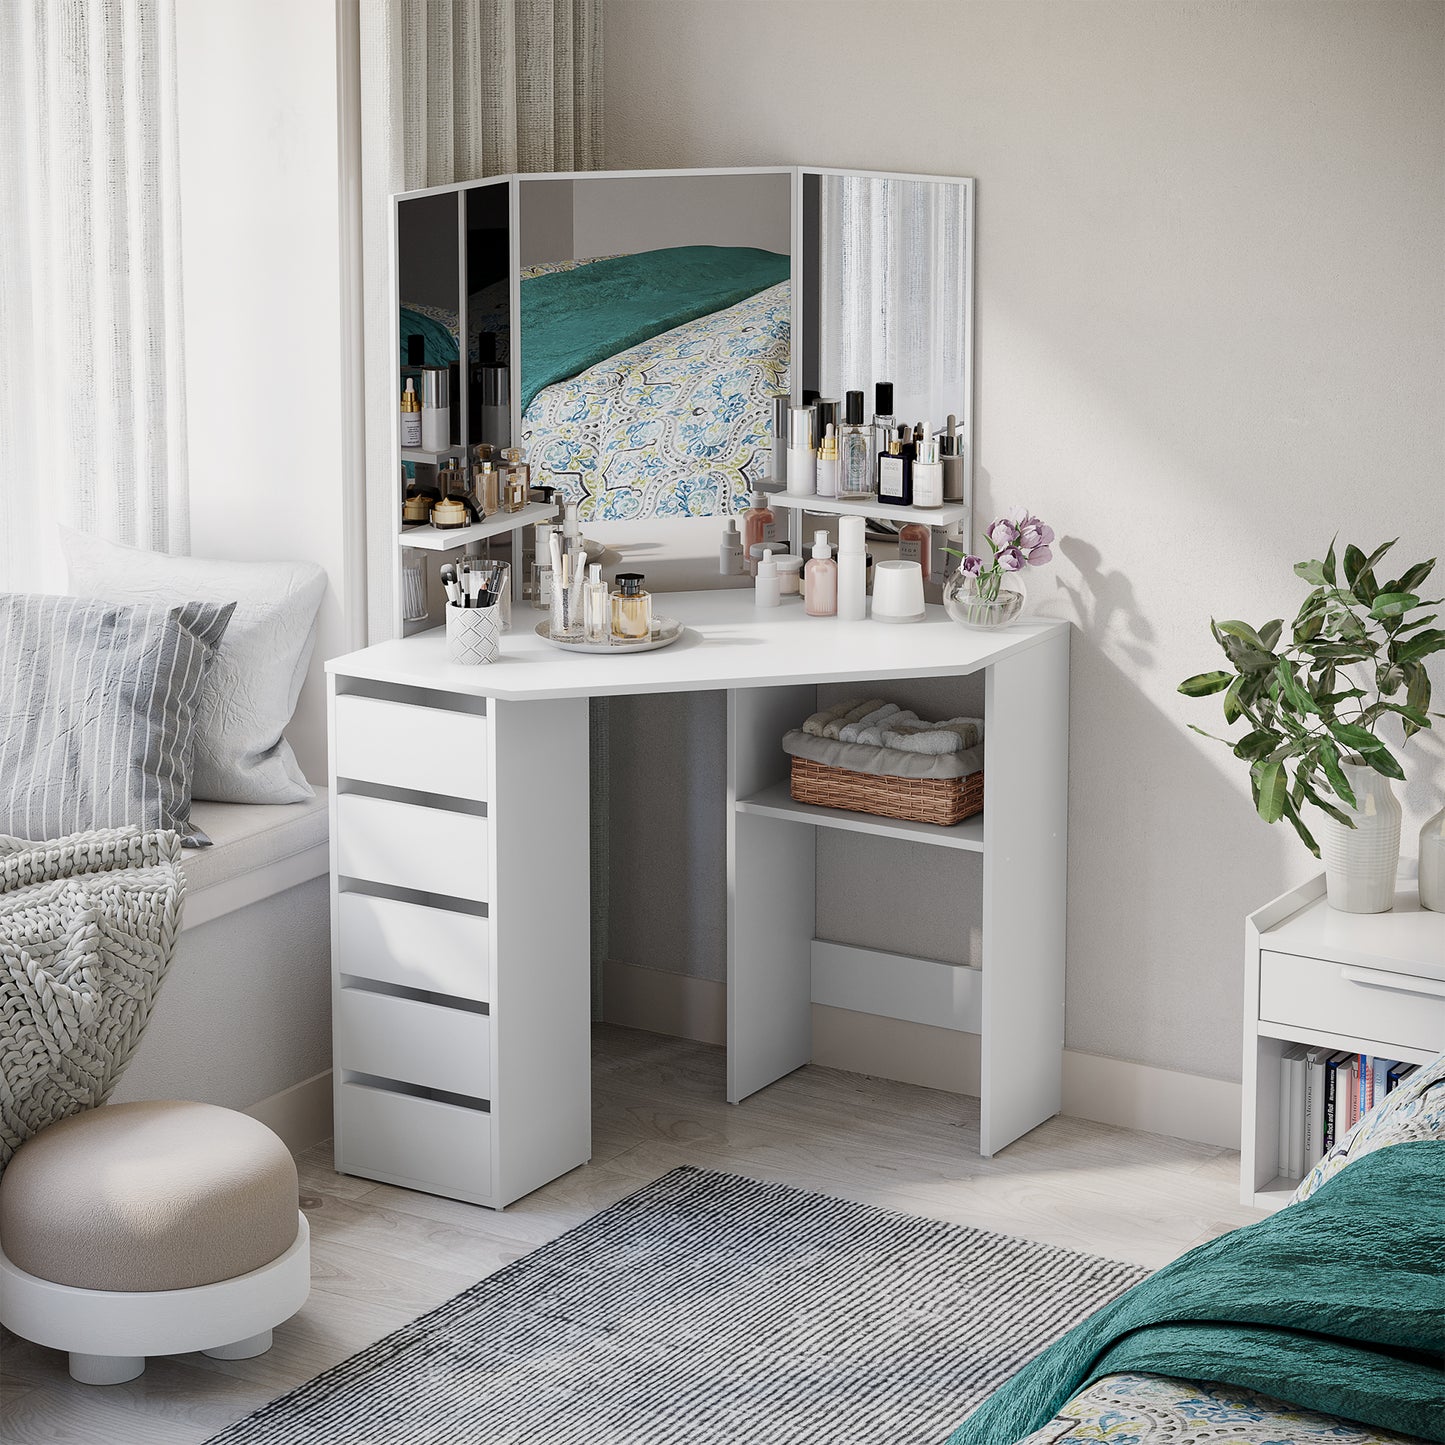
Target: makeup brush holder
pixel 474 634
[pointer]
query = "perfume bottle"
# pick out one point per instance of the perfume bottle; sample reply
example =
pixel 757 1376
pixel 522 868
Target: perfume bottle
pixel 759 525
pixel 802 454
pixel 927 471
pixel 884 423
pixel 596 606
pixel 820 580
pixel 631 608
pixel 410 416
pixel 828 464
pixel 915 544
pixel 730 552
pixel 778 451
pixel 541 589
pixel 950 453
pixel 489 488
pixel 519 479
pixel 854 479
pixel 895 470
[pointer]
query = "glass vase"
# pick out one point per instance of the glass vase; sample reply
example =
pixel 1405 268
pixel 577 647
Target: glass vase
pixel 983 602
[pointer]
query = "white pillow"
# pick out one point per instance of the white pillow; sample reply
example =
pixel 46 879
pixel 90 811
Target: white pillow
pixel 251 688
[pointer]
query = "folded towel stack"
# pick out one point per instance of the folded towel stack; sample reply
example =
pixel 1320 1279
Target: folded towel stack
pixel 876 723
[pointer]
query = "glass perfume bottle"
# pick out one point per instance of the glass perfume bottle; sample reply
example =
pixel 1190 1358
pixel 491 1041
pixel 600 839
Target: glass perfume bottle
pixel 759 525
pixel 410 416
pixel 597 606
pixel 820 583
pixel 631 608
pixel 915 544
pixel 895 470
pixel 884 424
pixel 855 481
pixel 927 472
pixel 519 479
pixel 489 488
pixel 828 463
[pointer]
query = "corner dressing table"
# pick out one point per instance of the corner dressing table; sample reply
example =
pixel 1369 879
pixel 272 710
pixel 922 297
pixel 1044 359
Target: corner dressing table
pixel 460 907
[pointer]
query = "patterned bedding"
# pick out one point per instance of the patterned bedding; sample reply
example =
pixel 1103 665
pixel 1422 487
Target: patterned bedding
pixel 676 426
pixel 1152 1410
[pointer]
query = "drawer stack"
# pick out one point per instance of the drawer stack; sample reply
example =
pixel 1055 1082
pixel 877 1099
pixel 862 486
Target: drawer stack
pixel 413 947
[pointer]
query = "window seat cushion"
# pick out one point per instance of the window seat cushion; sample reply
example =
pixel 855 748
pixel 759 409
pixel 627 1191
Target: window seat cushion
pixel 257 851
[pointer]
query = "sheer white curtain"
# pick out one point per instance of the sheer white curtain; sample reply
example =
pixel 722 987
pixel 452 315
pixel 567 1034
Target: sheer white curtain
pixel 893 291
pixel 454 90
pixel 92 394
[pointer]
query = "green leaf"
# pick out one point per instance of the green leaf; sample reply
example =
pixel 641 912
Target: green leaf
pixel 1384 761
pixel 1311 572
pixel 1416 622
pixel 1289 684
pixel 1354 564
pixel 1309 627
pixel 1205 683
pixel 1306 837
pixel 1413 578
pixel 1417 693
pixel 1319 802
pixel 1393 604
pixel 1354 738
pixel 1423 644
pixel 1338 651
pixel 1244 632
pixel 1329 563
pixel 1272 788
pixel 1234 700
pixel 1269 633
pixel 1255 744
pixel 1389 678
pixel 1330 761
pixel 1213 737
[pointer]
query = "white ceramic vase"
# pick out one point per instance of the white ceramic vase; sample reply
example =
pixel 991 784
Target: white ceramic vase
pixel 1432 863
pixel 1361 862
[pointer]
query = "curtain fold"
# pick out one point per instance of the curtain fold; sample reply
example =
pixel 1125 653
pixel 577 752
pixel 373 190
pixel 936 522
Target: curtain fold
pixel 455 90
pixel 92 382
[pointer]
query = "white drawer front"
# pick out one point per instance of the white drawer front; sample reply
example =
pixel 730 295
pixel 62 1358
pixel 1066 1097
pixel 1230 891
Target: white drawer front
pixel 415 1043
pixel 417 947
pixel 1366 1003
pixel 410 846
pixel 400 744
pixel 443 1148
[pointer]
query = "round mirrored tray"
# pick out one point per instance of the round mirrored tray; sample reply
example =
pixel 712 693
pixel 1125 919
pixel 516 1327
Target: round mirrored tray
pixel 665 631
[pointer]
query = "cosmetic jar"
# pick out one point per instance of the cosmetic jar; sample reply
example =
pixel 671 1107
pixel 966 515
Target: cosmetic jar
pixel 790 574
pixel 898 592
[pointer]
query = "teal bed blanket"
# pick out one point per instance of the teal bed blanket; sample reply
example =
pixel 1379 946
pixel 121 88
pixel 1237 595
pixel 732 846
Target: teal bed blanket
pixel 573 319
pixel 1335 1304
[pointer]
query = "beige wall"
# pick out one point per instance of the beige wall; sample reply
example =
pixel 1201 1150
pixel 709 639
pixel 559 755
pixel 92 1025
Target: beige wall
pixel 1210 300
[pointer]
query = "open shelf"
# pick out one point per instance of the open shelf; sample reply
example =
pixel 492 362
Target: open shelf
pixel 776 802
pixel 944 516
pixel 431 458
pixel 446 539
pixel 1275 1194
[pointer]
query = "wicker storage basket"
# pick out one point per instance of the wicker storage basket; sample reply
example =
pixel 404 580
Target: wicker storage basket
pixel 944 801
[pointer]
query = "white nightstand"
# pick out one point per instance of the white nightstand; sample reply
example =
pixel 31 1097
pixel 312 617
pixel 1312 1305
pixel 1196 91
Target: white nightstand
pixel 1371 983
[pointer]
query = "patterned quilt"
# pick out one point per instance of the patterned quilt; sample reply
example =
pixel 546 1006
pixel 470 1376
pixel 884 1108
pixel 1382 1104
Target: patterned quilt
pixel 1152 1410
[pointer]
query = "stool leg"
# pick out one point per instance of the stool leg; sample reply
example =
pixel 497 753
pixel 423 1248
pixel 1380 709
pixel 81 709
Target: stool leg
pixel 105 1369
pixel 242 1349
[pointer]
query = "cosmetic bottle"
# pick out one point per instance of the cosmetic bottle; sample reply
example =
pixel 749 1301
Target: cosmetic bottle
pixel 820 584
pixel 631 608
pixel 410 417
pixel 489 488
pixel 915 544
pixel 895 472
pixel 828 464
pixel 825 414
pixel 597 606
pixel 436 409
pixel 802 456
pixel 950 453
pixel 766 590
pixel 854 479
pixel 852 570
pixel 541 590
pixel 730 554
pixel 927 472
pixel 519 479
pixel 778 453
pixel 884 423
pixel 759 525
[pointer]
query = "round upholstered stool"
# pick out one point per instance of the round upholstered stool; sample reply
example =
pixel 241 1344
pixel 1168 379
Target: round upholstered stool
pixel 151 1229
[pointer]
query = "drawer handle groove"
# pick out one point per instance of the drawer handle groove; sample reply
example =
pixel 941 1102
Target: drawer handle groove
pixel 414 1091
pixel 345 883
pixel 1395 982
pixel 392 793
pixel 358 983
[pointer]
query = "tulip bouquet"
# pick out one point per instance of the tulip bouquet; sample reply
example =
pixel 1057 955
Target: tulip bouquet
pixel 1016 542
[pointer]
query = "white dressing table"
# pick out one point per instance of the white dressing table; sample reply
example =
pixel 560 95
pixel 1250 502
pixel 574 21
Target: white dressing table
pixel 460 910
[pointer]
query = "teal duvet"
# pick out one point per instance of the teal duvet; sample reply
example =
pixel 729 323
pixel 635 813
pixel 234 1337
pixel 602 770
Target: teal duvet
pixel 1335 1304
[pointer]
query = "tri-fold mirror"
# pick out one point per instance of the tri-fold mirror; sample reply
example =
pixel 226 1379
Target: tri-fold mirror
pixel 631 330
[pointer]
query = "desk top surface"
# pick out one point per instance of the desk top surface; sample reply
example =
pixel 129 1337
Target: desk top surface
pixel 730 642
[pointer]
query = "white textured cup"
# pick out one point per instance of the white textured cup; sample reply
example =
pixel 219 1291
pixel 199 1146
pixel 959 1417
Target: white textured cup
pixel 474 634
pixel 898 592
pixel 1360 862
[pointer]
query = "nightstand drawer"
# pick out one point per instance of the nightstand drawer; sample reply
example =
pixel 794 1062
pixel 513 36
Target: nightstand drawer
pixel 399 744
pixel 1367 1003
pixel 415 1142
pixel 414 1042
pixel 432 949
pixel 409 846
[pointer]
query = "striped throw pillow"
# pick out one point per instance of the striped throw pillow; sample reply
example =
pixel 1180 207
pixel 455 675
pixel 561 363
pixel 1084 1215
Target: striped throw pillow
pixel 98 712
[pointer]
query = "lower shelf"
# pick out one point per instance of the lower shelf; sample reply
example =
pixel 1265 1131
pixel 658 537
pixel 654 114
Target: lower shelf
pixel 1276 1194
pixel 777 802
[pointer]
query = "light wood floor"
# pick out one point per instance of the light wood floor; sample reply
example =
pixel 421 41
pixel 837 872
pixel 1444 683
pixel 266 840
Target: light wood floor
pixel 380 1255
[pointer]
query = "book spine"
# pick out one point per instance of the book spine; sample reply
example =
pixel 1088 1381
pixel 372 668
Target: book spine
pixel 1351 1072
pixel 1297 1115
pixel 1332 1086
pixel 1284 1113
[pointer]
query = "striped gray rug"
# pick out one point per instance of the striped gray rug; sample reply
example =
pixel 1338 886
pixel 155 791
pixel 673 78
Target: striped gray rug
pixel 708 1309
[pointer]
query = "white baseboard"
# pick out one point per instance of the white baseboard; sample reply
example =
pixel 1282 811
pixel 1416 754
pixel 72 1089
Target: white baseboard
pixel 301 1115
pixel 1108 1091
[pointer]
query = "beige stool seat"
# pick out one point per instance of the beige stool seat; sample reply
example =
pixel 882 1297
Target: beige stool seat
pixel 155 1202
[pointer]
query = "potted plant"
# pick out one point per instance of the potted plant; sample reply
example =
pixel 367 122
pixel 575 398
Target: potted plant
pixel 976 594
pixel 1314 708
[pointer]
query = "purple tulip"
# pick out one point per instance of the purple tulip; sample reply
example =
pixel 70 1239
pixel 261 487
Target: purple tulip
pixel 971 566
pixel 1010 559
pixel 1003 533
pixel 1037 556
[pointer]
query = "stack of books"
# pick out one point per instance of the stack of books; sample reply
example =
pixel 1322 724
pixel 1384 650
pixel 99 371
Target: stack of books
pixel 1321 1094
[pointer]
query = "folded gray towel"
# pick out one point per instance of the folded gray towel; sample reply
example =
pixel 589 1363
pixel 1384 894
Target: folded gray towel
pixel 873 736
pixel 861 710
pixel 820 720
pixel 954 735
pixel 875 719
pixel 884 762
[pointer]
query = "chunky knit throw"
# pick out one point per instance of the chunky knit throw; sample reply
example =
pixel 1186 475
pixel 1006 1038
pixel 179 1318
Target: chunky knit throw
pixel 88 925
